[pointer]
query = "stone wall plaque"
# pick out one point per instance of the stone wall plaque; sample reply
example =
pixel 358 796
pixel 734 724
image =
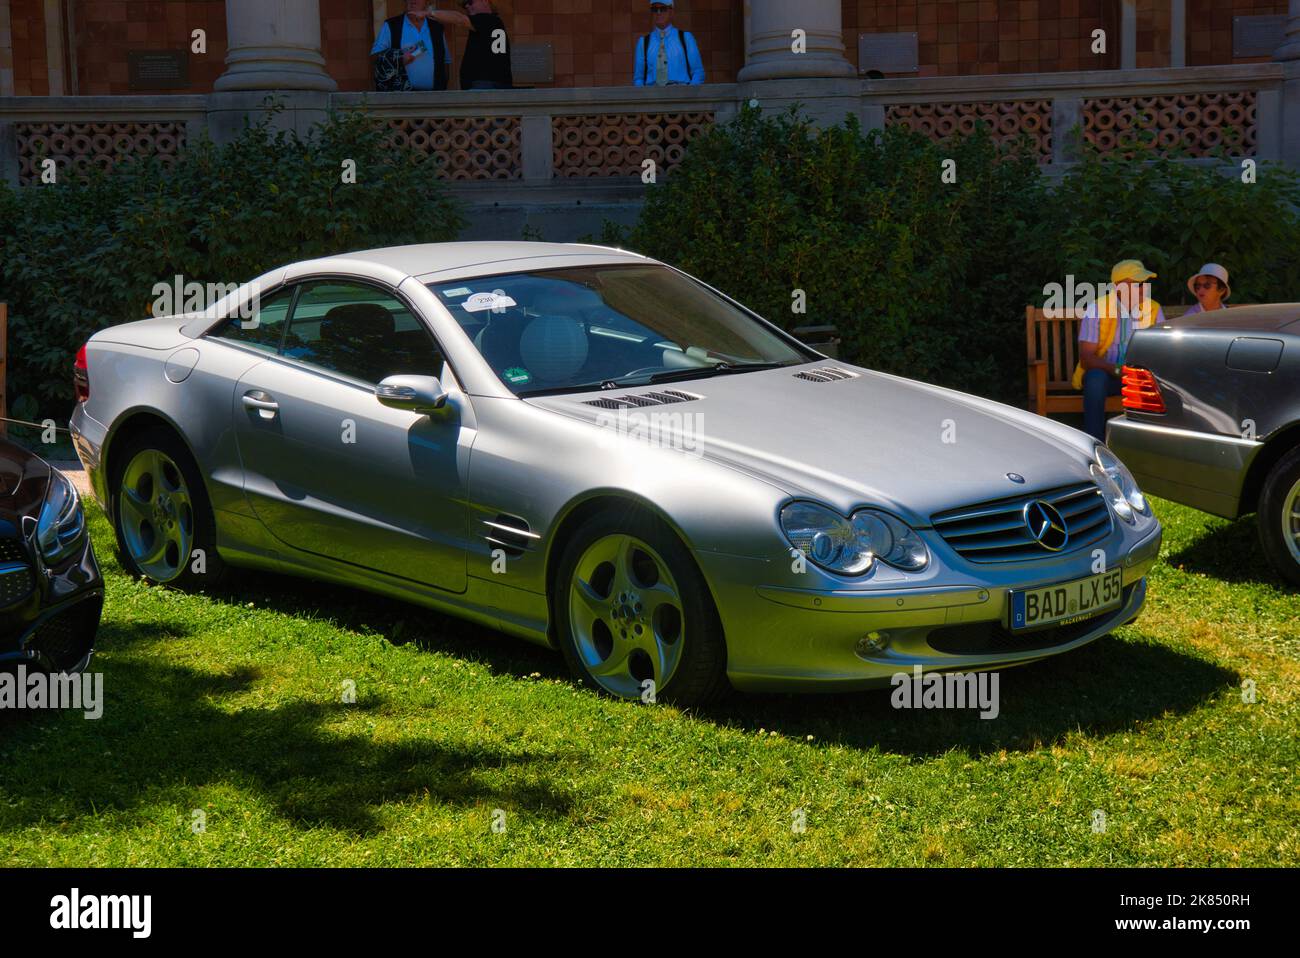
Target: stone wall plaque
pixel 532 63
pixel 158 69
pixel 888 52
pixel 1257 36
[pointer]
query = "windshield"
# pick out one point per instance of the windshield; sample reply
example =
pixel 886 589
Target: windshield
pixel 594 327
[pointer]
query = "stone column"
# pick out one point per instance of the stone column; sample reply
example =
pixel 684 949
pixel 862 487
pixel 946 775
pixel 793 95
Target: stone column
pixel 771 42
pixel 274 45
pixel 1288 54
pixel 1290 48
pixel 1128 34
pixel 1178 33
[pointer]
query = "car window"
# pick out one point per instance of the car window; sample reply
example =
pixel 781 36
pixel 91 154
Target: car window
pixel 359 331
pixel 265 327
pixel 576 328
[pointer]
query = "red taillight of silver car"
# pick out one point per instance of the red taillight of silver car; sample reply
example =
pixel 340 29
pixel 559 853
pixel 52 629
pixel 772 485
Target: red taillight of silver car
pixel 81 376
pixel 1141 391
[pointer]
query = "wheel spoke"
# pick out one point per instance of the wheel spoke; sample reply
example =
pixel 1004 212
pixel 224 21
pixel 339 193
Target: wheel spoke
pixel 615 664
pixel 591 605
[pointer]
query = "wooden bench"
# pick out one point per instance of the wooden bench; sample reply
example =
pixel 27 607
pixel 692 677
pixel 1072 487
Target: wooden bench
pixel 1052 347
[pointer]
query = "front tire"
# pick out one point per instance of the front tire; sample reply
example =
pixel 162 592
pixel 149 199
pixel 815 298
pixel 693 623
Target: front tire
pixel 161 513
pixel 1279 517
pixel 631 607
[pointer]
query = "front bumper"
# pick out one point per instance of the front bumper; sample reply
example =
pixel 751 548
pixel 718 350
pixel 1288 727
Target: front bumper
pixel 49 617
pixel 1198 469
pixel 804 640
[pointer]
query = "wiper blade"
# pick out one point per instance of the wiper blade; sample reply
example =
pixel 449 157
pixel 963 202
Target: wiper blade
pixel 575 388
pixel 714 370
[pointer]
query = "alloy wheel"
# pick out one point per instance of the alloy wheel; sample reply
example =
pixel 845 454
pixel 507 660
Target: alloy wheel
pixel 626 614
pixel 157 515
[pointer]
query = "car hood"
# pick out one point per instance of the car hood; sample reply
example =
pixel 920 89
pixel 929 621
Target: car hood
pixel 875 439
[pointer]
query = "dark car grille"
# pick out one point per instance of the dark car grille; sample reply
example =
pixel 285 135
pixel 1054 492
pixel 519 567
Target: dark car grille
pixel 996 531
pixel 63 640
pixel 16 579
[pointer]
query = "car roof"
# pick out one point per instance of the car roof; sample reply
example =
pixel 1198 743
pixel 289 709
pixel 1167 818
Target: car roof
pixel 425 260
pixel 1266 317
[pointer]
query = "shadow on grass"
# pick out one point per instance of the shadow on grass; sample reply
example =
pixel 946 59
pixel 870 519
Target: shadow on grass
pixel 163 729
pixel 1230 552
pixel 1103 688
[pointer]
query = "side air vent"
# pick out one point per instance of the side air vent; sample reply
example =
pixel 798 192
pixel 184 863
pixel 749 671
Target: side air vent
pixel 509 533
pixel 663 397
pixel 825 374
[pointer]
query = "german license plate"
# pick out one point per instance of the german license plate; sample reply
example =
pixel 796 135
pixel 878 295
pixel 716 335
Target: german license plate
pixel 1066 602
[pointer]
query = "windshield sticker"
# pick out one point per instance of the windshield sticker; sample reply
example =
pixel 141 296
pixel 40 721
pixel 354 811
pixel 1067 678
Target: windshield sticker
pixel 517 376
pixel 458 291
pixel 481 301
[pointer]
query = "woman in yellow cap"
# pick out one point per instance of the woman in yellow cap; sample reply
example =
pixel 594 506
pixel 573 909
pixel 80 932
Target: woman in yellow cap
pixel 1104 333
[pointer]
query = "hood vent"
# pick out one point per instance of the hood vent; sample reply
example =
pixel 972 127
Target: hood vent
pixel 825 374
pixel 663 397
pixel 509 533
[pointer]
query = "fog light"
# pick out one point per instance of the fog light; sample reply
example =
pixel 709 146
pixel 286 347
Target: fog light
pixel 873 643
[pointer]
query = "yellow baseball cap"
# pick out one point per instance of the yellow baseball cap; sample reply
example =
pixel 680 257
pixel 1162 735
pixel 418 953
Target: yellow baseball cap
pixel 1130 270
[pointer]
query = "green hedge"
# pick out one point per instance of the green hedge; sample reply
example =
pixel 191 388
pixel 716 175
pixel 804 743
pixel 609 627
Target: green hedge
pixel 81 255
pixel 930 279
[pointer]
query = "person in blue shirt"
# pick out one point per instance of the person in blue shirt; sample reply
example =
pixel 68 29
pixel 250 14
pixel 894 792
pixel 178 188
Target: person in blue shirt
pixel 667 55
pixel 421 41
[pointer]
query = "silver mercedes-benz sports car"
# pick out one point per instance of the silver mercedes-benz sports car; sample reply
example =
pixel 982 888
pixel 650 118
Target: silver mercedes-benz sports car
pixel 596 452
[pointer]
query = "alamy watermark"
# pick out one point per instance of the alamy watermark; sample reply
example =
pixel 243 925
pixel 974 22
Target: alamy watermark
pixel 37 690
pixel 663 429
pixel 949 690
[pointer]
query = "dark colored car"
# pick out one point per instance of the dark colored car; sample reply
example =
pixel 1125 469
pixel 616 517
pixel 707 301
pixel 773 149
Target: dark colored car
pixel 1212 419
pixel 51 592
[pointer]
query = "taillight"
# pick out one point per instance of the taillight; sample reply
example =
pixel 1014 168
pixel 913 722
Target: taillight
pixel 1141 391
pixel 81 375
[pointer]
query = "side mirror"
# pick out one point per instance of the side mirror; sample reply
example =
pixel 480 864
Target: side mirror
pixel 412 393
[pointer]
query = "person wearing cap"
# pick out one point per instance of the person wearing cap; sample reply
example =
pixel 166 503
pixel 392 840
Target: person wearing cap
pixel 1104 333
pixel 667 55
pixel 1210 287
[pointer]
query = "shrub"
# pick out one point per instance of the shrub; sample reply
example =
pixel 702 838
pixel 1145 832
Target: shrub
pixel 930 279
pixel 81 255
pixel 920 276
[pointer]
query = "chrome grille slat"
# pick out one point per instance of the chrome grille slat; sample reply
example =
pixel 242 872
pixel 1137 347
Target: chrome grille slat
pixel 995 531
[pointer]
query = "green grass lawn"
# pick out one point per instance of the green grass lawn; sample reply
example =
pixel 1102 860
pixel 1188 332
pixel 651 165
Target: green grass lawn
pixel 233 705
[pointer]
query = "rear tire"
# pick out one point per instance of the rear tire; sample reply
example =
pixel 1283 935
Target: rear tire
pixel 161 513
pixel 630 605
pixel 1279 517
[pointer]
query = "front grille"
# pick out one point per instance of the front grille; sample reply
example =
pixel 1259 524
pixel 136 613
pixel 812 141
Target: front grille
pixel 16 584
pixel 991 638
pixel 16 579
pixel 63 640
pixel 11 550
pixel 996 531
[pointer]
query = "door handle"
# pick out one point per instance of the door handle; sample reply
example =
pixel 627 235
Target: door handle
pixel 263 402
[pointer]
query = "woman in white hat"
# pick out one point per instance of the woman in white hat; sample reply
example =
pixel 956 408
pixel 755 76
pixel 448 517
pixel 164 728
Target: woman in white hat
pixel 1210 287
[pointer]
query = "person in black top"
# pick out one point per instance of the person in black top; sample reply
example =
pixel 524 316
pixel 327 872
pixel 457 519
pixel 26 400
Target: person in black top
pixel 486 64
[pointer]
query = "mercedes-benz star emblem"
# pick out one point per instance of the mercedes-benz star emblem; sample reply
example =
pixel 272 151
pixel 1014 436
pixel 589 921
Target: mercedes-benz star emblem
pixel 1045 525
pixel 1015 477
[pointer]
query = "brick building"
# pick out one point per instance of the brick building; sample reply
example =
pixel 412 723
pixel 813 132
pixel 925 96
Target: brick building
pixel 77 47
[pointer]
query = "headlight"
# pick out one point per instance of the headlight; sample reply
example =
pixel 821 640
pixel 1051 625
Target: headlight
pixel 850 546
pixel 1118 485
pixel 62 522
